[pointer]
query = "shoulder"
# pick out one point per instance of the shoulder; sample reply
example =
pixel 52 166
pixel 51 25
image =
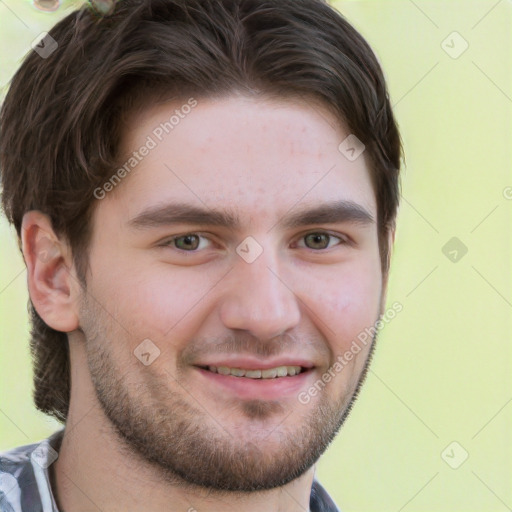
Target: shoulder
pixel 16 474
pixel 24 484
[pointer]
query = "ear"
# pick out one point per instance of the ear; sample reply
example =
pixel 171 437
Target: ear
pixel 52 282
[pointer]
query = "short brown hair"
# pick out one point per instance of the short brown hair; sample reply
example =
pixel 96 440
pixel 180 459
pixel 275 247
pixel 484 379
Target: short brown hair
pixel 62 119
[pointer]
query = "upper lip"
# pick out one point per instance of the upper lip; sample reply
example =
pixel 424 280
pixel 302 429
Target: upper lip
pixel 251 363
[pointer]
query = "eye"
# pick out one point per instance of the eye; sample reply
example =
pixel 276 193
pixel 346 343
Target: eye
pixel 190 242
pixel 321 240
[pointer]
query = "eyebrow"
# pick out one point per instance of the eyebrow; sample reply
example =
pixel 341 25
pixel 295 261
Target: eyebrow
pixel 180 213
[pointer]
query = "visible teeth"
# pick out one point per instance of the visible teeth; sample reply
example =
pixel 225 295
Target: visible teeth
pixel 270 373
pixel 282 371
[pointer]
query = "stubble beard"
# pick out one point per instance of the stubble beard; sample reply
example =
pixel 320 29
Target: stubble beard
pixel 160 424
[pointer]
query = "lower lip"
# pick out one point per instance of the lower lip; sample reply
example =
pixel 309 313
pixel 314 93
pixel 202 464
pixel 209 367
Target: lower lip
pixel 263 389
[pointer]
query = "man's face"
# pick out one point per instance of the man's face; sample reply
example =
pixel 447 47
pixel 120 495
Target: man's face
pixel 291 297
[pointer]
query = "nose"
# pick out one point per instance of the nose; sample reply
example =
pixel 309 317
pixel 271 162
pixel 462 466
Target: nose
pixel 258 300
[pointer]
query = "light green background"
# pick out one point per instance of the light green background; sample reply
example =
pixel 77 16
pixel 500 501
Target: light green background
pixel 442 369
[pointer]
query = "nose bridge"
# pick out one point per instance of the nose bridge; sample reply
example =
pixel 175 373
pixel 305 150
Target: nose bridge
pixel 258 300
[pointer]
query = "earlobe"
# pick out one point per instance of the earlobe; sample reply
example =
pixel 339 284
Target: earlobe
pixel 50 273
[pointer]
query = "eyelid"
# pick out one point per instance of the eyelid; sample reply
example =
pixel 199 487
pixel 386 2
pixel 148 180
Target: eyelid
pixel 344 239
pixel 167 242
pixel 341 236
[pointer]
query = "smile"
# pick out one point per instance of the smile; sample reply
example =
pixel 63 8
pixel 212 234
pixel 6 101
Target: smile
pixel 268 373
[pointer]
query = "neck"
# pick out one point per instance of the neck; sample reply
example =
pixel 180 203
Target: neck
pixel 93 472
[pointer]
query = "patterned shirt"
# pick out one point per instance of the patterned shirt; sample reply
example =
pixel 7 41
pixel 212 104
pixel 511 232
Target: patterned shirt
pixel 25 482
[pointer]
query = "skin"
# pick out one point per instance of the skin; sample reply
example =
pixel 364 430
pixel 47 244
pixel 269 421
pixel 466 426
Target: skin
pixel 263 160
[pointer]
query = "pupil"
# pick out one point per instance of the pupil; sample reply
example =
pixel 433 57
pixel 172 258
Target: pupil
pixel 318 238
pixel 188 241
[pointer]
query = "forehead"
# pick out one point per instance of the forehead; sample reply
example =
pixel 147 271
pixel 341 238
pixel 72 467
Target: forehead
pixel 256 156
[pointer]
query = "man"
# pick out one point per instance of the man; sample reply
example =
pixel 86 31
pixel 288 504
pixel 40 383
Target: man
pixel 205 194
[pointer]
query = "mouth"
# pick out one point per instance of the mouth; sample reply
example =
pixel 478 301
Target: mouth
pixel 277 372
pixel 255 380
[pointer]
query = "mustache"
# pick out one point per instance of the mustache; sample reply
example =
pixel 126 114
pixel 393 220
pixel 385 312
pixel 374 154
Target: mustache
pixel 247 344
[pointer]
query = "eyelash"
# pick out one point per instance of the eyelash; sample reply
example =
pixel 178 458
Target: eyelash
pixel 343 240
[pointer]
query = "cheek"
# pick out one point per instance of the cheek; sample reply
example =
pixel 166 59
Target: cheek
pixel 344 302
pixel 154 301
